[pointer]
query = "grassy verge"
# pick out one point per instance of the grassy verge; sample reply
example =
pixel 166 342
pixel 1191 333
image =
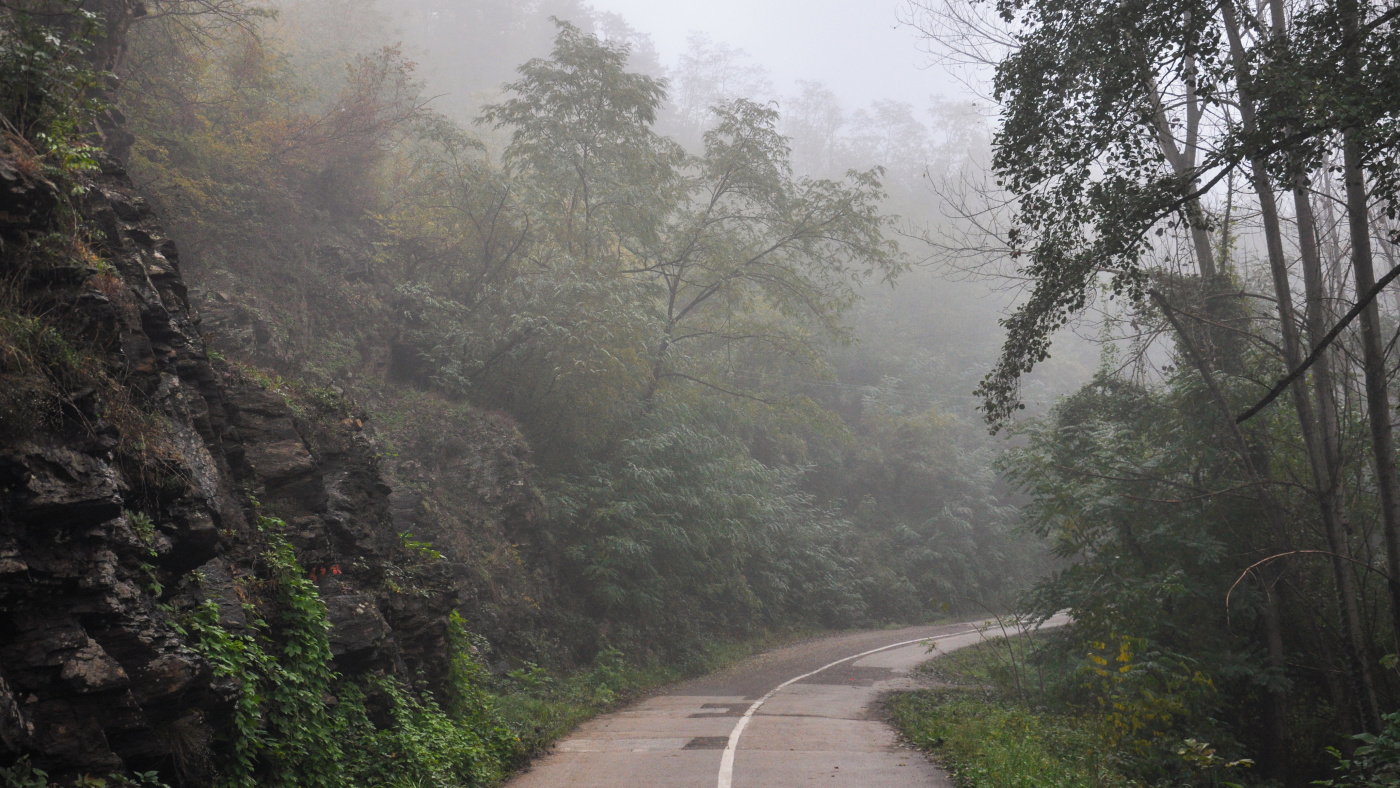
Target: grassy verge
pixel 988 738
pixel 987 743
pixel 541 707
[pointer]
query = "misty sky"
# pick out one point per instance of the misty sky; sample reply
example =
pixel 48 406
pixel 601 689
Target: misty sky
pixel 856 47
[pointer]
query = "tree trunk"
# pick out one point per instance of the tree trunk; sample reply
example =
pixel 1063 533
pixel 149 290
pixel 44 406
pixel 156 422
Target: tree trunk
pixel 1182 165
pixel 1323 436
pixel 1372 342
pixel 1330 492
pixel 1324 472
pixel 1279 755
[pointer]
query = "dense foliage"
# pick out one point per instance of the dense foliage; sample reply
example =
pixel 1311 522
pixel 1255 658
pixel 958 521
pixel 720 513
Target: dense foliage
pixel 1214 181
pixel 649 314
pixel 669 323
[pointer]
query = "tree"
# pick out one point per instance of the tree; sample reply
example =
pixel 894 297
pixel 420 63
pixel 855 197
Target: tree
pixel 581 139
pixel 724 254
pixel 708 75
pixel 1120 124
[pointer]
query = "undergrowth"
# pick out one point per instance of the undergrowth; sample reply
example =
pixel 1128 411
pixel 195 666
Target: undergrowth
pixel 985 743
pixel 1002 719
pixel 299 724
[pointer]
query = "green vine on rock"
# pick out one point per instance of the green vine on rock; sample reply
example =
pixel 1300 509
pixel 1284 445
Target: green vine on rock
pixel 282 733
pixel 299 724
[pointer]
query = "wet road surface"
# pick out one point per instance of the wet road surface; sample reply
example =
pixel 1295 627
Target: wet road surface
pixel 806 714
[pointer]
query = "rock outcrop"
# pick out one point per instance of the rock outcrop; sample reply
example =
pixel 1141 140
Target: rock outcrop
pixel 111 491
pixel 135 496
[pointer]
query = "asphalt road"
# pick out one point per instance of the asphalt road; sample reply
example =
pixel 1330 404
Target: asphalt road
pixel 801 715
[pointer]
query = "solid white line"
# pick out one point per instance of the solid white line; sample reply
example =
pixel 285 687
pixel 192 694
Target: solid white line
pixel 726 761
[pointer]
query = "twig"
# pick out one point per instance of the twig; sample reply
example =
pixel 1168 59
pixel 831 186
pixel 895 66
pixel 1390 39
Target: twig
pixel 1250 569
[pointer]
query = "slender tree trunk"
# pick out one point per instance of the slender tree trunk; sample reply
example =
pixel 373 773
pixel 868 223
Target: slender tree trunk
pixel 1317 427
pixel 1372 341
pixel 1373 364
pixel 1330 491
pixel 1334 675
pixel 1183 165
pixel 1314 442
pixel 1279 755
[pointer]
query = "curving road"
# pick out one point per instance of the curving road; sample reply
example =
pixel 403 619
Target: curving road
pixel 801 715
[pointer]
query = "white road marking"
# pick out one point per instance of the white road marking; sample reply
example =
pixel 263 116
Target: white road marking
pixel 726 762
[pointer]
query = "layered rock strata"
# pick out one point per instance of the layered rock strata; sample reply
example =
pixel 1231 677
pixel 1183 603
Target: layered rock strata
pixel 123 505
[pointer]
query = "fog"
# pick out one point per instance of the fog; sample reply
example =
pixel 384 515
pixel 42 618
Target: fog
pixel 854 88
pixel 858 48
pixel 389 386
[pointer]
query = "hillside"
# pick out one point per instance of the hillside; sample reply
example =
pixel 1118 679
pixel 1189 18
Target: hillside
pixel 336 451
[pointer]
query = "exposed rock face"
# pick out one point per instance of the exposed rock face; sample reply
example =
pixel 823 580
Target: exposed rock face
pixel 25 201
pixel 99 531
pixel 92 675
pixel 461 481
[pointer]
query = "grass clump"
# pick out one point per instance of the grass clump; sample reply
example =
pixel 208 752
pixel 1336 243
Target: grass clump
pixel 987 743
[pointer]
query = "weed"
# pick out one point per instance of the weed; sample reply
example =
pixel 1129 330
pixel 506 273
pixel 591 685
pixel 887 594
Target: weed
pixel 283 732
pixel 420 548
pixel 22 774
pixel 48 90
pixel 143 526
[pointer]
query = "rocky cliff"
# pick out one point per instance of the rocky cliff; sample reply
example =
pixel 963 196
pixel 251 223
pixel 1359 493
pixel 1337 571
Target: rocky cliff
pixel 134 474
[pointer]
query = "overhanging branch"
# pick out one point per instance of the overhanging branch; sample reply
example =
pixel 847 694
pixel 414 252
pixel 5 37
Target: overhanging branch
pixel 1336 331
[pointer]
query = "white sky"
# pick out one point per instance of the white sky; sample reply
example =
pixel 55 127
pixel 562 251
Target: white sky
pixel 857 47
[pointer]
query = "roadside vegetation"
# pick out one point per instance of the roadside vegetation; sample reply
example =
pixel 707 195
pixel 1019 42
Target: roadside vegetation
pixel 300 724
pixel 985 742
pixel 1024 712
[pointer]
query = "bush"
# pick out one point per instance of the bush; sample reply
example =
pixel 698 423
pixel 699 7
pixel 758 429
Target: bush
pixel 48 87
pixel 1375 764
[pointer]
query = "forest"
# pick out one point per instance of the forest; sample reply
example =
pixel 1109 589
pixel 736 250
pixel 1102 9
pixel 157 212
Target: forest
pixel 427 376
